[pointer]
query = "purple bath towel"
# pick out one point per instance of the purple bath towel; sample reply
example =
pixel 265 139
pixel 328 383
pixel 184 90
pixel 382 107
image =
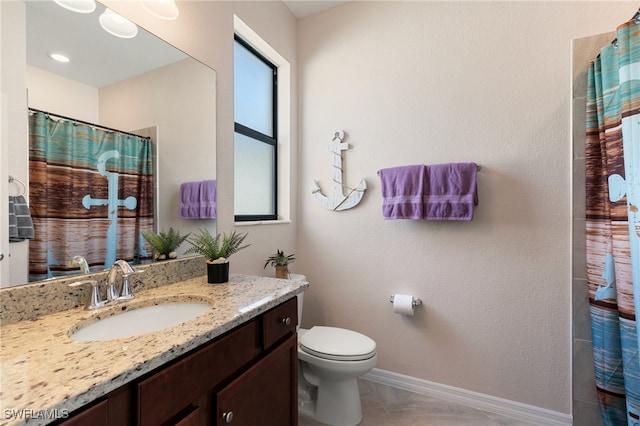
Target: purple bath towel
pixel 450 191
pixel 402 192
pixel 198 200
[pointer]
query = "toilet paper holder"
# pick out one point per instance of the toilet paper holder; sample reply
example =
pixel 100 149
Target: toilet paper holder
pixel 415 301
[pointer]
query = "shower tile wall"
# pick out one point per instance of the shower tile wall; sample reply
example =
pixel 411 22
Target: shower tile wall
pixel 585 402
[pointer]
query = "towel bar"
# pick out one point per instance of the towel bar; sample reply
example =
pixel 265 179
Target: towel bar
pixel 24 187
pixel 478 167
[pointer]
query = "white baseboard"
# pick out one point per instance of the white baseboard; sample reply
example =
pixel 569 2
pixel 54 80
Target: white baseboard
pixel 492 404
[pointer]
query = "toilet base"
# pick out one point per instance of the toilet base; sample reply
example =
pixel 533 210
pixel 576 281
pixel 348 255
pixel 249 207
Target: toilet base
pixel 332 403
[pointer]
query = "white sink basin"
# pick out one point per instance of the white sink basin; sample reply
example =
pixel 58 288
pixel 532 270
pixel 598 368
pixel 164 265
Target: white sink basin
pixel 137 321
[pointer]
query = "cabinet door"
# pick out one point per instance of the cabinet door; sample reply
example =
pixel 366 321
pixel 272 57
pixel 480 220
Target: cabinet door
pixel 266 394
pixel 174 389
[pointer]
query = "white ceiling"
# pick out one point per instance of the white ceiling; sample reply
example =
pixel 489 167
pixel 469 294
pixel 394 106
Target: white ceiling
pixel 303 8
pixel 97 58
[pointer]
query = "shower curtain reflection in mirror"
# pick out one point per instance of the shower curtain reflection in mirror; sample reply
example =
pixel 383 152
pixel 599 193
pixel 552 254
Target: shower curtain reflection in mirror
pixel 91 194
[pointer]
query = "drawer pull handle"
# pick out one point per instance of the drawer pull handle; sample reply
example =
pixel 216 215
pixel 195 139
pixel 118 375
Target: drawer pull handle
pixel 286 321
pixel 227 417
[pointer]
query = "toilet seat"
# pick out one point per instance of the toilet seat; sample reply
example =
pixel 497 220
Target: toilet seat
pixel 337 344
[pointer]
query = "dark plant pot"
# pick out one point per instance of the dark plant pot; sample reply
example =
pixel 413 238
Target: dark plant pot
pixel 217 273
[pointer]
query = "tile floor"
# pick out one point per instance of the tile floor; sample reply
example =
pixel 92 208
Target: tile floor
pixel 387 406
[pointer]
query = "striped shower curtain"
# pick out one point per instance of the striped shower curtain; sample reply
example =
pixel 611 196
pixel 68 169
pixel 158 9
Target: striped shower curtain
pixel 613 223
pixel 90 193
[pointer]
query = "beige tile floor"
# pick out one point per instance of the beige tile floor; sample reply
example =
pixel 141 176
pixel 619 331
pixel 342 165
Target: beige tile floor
pixel 387 406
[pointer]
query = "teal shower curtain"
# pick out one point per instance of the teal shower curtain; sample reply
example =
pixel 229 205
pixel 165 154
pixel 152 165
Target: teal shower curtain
pixel 613 223
pixel 91 193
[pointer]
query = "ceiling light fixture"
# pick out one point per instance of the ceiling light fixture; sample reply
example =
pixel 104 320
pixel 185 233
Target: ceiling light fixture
pixel 80 6
pixel 59 57
pixel 116 25
pixel 163 9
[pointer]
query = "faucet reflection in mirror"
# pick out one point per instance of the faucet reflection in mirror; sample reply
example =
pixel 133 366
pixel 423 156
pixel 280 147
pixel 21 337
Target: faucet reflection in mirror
pixel 91 192
pixel 80 262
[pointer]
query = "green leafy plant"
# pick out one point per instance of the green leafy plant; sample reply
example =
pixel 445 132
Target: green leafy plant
pixel 280 259
pixel 212 248
pixel 164 244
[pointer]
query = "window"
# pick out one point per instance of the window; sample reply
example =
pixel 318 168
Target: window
pixel 255 138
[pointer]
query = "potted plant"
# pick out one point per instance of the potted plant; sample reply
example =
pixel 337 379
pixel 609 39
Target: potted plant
pixel 164 244
pixel 281 262
pixel 217 252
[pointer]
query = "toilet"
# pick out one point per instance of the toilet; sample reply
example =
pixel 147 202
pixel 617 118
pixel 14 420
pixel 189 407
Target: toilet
pixel 330 360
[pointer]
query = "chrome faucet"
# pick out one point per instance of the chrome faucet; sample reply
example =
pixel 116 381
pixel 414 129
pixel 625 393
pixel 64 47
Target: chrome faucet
pixel 125 292
pixel 95 301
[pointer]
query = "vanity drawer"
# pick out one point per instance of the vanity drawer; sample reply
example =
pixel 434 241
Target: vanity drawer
pixel 95 415
pixel 279 322
pixel 171 390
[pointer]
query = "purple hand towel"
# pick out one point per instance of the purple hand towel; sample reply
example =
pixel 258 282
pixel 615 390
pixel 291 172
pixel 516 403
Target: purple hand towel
pixel 450 191
pixel 402 192
pixel 198 200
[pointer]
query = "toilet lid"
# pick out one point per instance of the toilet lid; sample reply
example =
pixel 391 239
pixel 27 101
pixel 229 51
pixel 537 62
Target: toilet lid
pixel 337 344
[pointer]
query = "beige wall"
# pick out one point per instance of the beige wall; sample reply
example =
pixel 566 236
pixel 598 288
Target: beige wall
pixel 431 82
pixel 52 93
pixel 180 100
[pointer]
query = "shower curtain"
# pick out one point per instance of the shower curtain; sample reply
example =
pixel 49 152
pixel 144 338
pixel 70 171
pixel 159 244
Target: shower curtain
pixel 613 223
pixel 91 194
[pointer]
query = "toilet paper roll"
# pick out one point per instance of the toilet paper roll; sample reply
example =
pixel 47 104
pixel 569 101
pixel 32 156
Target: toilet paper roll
pixel 403 304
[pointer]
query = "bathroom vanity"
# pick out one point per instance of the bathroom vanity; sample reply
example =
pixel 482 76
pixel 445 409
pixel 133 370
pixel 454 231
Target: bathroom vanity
pixel 248 375
pixel 234 364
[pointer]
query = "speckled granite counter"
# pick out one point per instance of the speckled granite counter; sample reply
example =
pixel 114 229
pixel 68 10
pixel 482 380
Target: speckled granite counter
pixel 44 371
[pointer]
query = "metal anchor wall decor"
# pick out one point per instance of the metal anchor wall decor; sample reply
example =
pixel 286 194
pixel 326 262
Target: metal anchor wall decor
pixel 338 200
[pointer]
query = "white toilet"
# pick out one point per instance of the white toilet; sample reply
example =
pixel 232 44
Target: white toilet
pixel 330 361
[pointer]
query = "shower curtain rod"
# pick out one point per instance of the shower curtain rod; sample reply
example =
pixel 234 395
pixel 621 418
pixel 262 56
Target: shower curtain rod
pixel 75 120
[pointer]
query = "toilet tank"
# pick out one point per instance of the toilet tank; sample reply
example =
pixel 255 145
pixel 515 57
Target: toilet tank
pixel 300 296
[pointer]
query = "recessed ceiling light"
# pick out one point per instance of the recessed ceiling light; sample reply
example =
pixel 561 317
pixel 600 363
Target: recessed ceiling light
pixel 59 57
pixel 163 9
pixel 116 25
pixel 80 6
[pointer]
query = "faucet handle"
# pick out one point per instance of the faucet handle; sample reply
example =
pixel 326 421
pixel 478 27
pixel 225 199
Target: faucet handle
pixel 95 301
pixel 126 293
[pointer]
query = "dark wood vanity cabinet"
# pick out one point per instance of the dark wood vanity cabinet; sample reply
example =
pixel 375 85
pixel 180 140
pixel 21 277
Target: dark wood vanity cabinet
pixel 258 396
pixel 267 393
pixel 248 376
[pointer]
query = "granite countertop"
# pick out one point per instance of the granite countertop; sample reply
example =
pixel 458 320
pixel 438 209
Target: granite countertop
pixel 44 373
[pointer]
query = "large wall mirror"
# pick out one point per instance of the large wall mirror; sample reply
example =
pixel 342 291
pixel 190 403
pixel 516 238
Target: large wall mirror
pixel 140 85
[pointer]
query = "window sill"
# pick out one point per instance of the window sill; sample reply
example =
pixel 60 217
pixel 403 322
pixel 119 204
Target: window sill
pixel 263 222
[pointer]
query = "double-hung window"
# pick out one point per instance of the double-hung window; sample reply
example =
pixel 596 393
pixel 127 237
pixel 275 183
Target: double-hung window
pixel 255 138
